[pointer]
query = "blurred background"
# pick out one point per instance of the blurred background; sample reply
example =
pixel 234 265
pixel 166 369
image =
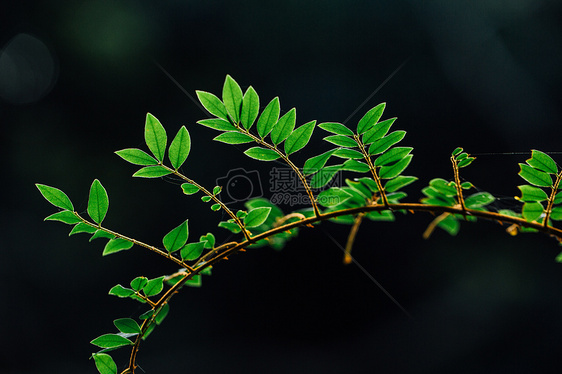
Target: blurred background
pixel 76 81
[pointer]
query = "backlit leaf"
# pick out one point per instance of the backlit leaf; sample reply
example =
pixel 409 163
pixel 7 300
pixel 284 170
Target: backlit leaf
pixel 284 127
pixel 250 108
pixel 189 189
pixel 443 186
pixel 336 128
pixel 256 217
pixel 348 153
pixel 392 155
pixel 386 142
pixel 104 363
pixel 64 216
pixel 556 213
pixel 152 172
pixel 138 283
pixel 212 104
pixel 154 287
pixel 535 177
pixel 398 182
pixel 324 176
pixel 530 194
pixel 299 138
pixel 111 341
pixel 262 154
pixel 354 165
pixel 465 162
pixel 232 98
pixel 233 137
pixel 341 140
pixel 155 137
pixel 542 161
pixel 217 124
pixel 332 197
pixel 450 224
pixel 55 196
pixel 532 211
pixel 456 151
pixel 98 202
pixel 316 163
pixel 82 227
pixel 102 234
pixel 121 291
pixel 388 172
pixel 479 200
pixel 268 118
pixel 127 326
pixel 208 239
pixel 176 239
pixel 370 118
pixel 116 245
pixel 137 157
pixel 179 148
pixel 192 251
pixel 378 131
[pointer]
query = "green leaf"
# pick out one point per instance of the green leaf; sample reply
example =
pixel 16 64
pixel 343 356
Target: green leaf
pixel 217 190
pixel 82 227
pixel 378 131
pixel 316 163
pixel 284 127
pixel 230 226
pixel 354 165
pixel 212 104
pixel 64 216
pixel 121 291
pixel 388 172
pixel 215 207
pixel 333 196
pixel 535 177
pixel 386 142
pixel 102 234
pixel 189 189
pixel 465 162
pixel 262 154
pixel 398 182
pixel 179 148
pixel 116 245
pixel 299 138
pixel 138 283
pixel 556 213
pixel 192 251
pixel 324 176
pixel 250 108
pixel 268 118
pixel 161 314
pixel 105 364
pixel 450 224
pixel 154 287
pixel 208 239
pixel 371 184
pixel 256 216
pixel 137 157
pixel 385 215
pixel 155 137
pixel 370 118
pixel 456 151
pixel 558 198
pixel 195 281
pixel 479 200
pixel 55 196
pixel 341 140
pixel 127 326
pixel 443 187
pixel 98 203
pixel 111 341
pixel 531 194
pixel 392 155
pixel 152 172
pixel 532 211
pixel 336 128
pixel 205 199
pixel 542 161
pixel 176 239
pixel 348 153
pixel 233 137
pixel 232 98
pixel 217 124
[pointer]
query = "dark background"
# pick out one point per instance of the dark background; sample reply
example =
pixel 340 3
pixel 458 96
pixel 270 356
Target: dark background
pixel 76 81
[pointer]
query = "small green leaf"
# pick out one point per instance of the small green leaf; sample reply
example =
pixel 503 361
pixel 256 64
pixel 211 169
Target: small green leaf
pixel 371 184
pixel 542 161
pixel 55 196
pixel 205 199
pixel 155 137
pixel 195 281
pixel 316 163
pixel 208 239
pixel 443 187
pixel 556 213
pixel 98 202
pixel 479 200
pixel 230 226
pixel 333 196
pixel 392 155
pixel 466 185
pixel 189 189
pixel 102 234
pixel 154 287
pixel 534 176
pixel 262 154
pixel 532 211
pixel 324 176
pixel 212 104
pixel 299 138
pixel 121 291
pixel 530 194
pixel 192 251
pixel 104 363
pixel 378 131
pixel 127 326
pixel 250 108
pixel 82 227
pixel 398 182
pixel 341 140
pixel 217 190
pixel 152 172
pixel 284 127
pixel 386 142
pixel 232 98
pixel 179 148
pixel 111 341
pixel 268 118
pixel 137 157
pixel 389 172
pixel 256 217
pixel 161 314
pixel 215 207
pixel 233 137
pixel 64 216
pixel 465 162
pixel 456 151
pixel 116 245
pixel 176 239
pixel 558 198
pixel 354 165
pixel 217 124
pixel 336 128
pixel 450 224
pixel 138 283
pixel 370 118
pixel 348 153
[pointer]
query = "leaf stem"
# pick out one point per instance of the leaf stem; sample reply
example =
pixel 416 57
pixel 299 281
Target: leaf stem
pixel 551 198
pixel 372 168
